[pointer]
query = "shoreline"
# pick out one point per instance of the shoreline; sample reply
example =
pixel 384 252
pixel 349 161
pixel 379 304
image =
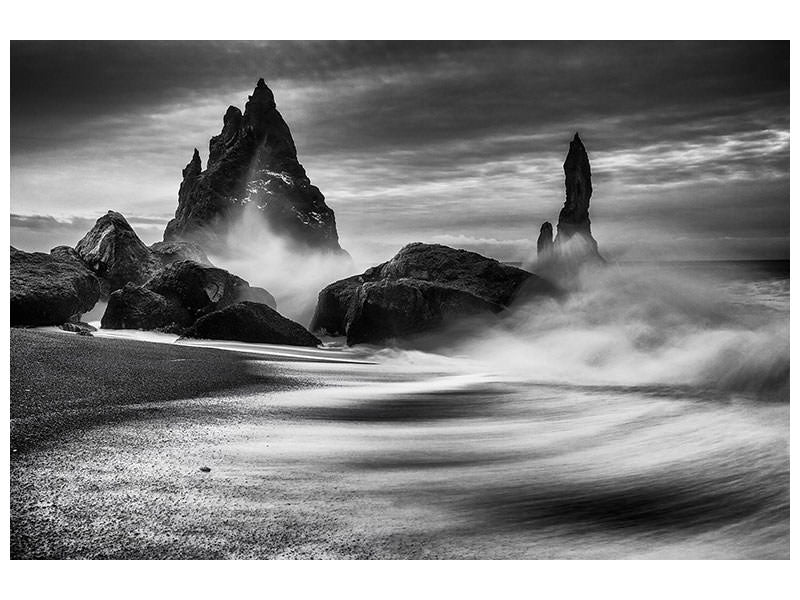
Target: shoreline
pixel 136 450
pixel 276 352
pixel 62 382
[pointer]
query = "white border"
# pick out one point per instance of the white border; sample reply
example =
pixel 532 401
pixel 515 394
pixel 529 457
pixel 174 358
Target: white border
pixel 412 19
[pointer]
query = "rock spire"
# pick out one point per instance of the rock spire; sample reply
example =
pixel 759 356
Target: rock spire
pixel 252 163
pixel 573 241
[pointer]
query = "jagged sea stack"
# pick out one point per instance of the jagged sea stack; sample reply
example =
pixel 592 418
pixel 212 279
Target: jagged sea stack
pixel 252 164
pixel 544 245
pixel 574 242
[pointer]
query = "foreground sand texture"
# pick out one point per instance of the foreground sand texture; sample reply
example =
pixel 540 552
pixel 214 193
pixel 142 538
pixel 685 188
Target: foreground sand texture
pixel 400 459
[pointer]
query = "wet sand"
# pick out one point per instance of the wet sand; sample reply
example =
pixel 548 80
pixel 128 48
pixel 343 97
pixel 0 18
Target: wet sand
pixel 63 382
pixel 108 438
pixel 409 458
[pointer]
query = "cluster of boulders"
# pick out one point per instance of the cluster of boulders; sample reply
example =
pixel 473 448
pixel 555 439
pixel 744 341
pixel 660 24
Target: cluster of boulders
pixel 177 295
pixel 169 286
pixel 113 251
pixel 172 286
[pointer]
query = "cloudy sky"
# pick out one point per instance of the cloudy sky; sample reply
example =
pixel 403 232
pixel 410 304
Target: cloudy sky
pixel 459 143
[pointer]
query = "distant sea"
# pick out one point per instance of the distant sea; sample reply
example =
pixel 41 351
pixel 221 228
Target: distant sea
pixel 736 268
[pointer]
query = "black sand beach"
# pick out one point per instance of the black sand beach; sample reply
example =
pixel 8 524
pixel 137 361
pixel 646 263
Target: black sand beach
pixel 63 383
pixel 94 417
pixel 416 456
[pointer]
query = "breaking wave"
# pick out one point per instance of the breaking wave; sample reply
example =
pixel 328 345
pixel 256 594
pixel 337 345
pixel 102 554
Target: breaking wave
pixel 645 326
pixel 270 261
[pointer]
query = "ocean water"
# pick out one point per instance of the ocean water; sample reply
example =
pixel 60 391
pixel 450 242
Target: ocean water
pixel 644 416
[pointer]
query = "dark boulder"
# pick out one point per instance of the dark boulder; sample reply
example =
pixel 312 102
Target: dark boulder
pixel 388 309
pixel 251 322
pixel 65 252
pixel 136 307
pixel 252 164
pixel 336 305
pixel 177 296
pixel 50 289
pixel 167 253
pixel 201 288
pixel 78 327
pixel 483 277
pixel 423 288
pixel 257 294
pixel 113 251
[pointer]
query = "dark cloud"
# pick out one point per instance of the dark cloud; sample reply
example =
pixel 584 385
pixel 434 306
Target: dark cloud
pixel 413 139
pixel 47 222
pixel 406 92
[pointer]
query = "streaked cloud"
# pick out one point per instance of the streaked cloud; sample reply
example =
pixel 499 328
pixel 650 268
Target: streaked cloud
pixel 43 232
pixel 427 141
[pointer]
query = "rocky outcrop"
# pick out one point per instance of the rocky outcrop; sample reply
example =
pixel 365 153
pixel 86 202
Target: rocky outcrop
pixel 251 322
pixel 67 252
pixel 113 251
pixel 259 295
pixel 395 309
pixel 574 216
pixel 544 245
pixel 423 288
pixel 50 289
pixel 574 243
pixel 252 164
pixel 177 296
pixel 201 288
pixel 137 307
pixel 167 253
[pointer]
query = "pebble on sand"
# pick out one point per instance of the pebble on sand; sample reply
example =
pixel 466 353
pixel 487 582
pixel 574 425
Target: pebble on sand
pixel 205 469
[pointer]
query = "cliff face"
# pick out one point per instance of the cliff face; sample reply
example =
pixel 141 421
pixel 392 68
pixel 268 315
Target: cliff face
pixel 252 163
pixel 573 242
